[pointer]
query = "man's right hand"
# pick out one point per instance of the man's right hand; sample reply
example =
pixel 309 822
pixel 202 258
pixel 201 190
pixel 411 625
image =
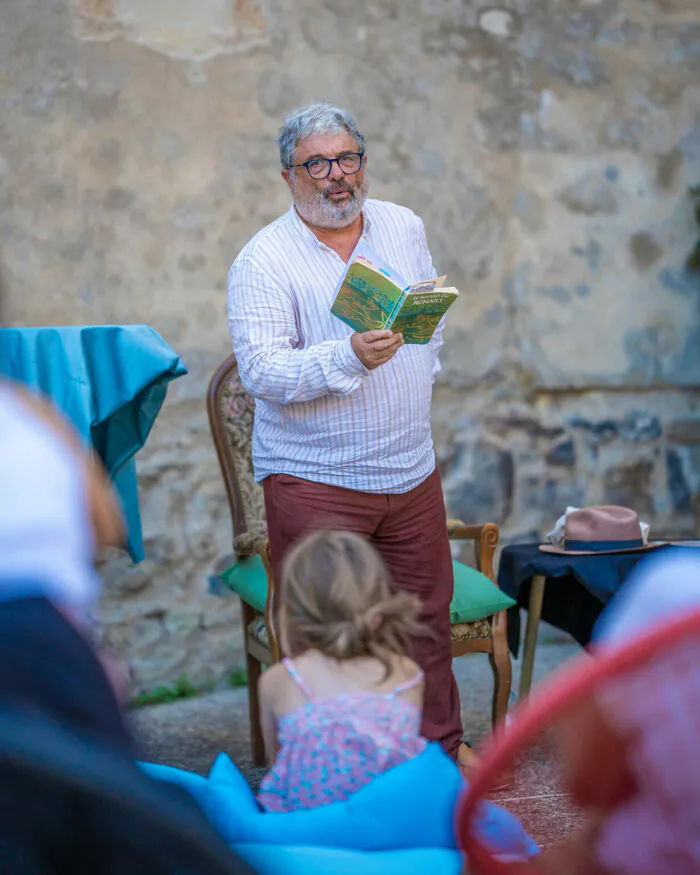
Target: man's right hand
pixel 373 348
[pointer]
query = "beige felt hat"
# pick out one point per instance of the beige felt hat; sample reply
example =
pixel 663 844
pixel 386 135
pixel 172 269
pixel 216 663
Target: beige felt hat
pixel 601 529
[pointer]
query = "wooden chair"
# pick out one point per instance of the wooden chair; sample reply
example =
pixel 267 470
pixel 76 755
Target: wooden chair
pixel 248 571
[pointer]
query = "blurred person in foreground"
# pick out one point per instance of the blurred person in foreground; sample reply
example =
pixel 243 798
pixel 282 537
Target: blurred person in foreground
pixel 72 798
pixel 631 749
pixel 57 510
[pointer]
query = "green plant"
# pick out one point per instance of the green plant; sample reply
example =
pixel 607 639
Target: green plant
pixel 238 678
pixel 694 257
pixel 183 688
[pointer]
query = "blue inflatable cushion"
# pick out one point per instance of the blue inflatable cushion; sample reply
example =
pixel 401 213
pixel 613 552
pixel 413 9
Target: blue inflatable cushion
pixel 410 806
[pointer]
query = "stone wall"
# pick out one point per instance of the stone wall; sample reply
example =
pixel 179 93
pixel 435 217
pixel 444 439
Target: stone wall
pixel 548 145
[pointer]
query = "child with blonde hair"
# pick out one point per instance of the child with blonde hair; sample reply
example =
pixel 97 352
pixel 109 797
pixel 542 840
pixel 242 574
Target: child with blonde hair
pixel 345 704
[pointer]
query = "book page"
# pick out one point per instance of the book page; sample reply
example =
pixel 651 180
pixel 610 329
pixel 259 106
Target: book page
pixel 365 252
pixel 426 285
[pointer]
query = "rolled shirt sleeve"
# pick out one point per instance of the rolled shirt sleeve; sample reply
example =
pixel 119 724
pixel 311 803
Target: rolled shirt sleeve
pixel 263 326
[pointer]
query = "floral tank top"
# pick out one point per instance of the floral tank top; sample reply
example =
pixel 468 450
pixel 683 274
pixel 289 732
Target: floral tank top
pixel 330 748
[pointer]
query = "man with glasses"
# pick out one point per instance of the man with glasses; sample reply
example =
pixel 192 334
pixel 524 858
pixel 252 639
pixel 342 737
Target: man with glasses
pixel 342 419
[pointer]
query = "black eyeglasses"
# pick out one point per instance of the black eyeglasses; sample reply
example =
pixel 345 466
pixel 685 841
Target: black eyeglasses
pixel 320 168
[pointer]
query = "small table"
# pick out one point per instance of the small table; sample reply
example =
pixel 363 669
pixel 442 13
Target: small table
pixel 110 381
pixel 584 586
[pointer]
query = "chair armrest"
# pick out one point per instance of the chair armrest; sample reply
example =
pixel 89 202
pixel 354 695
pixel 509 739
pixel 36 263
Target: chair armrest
pixel 459 531
pixel 485 538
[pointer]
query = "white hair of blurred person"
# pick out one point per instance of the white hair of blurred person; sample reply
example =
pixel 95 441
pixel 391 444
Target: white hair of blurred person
pixel 57 508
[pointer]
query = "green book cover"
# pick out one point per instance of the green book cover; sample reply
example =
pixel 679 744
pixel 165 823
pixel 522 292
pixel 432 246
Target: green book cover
pixel 420 313
pixel 366 298
pixel 371 295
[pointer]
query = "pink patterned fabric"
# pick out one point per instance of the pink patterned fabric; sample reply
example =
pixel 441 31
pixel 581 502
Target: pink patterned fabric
pixel 329 748
pixel 658 706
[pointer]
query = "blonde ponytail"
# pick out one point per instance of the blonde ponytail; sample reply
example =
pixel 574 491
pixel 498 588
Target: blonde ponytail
pixel 338 598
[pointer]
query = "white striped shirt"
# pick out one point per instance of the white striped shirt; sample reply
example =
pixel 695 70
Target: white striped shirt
pixel 320 414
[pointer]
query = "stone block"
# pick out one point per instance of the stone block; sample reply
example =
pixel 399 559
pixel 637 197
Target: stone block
pixel 645 250
pixel 499 22
pixel 199 29
pixel 683 473
pixel 519 421
pixel 592 195
pixel 550 496
pixel 640 427
pixel 678 486
pixel 562 454
pixel 121 577
pixel 684 431
pixel 181 623
pixel 595 432
pixel 578 66
pixel 164 665
pixel 479 482
pixel 630 485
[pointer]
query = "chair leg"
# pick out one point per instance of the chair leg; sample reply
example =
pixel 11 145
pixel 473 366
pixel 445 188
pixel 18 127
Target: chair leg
pixel 502 669
pixel 257 743
pixel 253 671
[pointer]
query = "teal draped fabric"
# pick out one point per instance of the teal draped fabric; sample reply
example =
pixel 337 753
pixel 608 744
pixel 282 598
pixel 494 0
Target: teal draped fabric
pixel 110 381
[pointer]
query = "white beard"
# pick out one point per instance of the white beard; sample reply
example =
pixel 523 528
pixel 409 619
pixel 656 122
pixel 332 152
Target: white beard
pixel 318 210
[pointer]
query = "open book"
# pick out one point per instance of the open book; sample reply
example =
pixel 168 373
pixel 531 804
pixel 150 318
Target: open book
pixel 372 295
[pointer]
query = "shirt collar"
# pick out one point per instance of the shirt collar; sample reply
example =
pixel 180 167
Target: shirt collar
pixel 312 238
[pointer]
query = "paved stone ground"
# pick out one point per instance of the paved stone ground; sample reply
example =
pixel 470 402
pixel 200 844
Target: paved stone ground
pixel 188 734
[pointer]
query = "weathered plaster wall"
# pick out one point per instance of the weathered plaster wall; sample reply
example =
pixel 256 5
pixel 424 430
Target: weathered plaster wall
pixel 548 144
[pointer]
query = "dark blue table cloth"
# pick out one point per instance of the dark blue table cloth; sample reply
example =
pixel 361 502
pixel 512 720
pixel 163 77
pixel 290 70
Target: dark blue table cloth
pixel 578 587
pixel 110 381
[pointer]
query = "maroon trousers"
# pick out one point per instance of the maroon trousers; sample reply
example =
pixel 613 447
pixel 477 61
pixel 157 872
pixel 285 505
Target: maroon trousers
pixel 410 532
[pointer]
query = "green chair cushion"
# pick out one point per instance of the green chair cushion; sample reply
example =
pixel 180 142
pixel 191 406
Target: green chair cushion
pixel 476 596
pixel 248 578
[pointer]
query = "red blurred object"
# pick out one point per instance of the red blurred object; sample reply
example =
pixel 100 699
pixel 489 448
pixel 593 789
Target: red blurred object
pixel 559 699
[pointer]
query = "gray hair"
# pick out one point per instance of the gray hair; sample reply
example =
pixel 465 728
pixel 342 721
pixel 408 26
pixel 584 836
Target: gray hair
pixel 312 120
